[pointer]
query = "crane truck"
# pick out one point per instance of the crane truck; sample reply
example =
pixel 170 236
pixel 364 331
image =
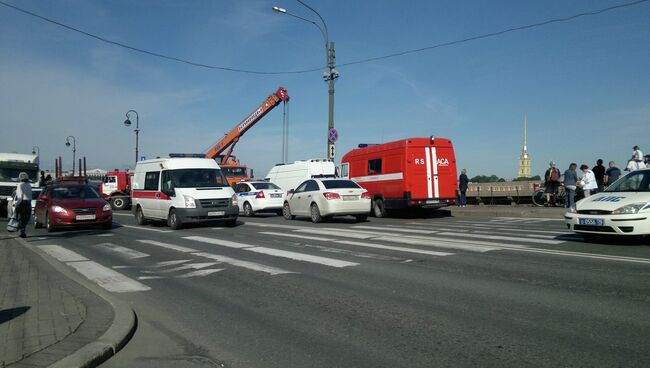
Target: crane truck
pixel 222 150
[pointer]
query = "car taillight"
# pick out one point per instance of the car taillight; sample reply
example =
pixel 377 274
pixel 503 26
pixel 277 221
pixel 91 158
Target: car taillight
pixel 331 195
pixel 366 195
pixel 259 194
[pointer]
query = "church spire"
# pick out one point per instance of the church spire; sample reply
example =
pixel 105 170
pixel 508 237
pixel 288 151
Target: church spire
pixel 524 159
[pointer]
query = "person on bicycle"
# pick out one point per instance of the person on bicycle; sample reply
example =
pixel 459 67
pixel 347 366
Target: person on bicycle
pixel 571 184
pixel 552 184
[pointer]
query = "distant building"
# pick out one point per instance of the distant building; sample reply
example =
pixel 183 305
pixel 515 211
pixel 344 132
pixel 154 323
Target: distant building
pixel 524 159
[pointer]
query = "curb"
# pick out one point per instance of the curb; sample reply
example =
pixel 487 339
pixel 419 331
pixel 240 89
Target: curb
pixel 509 211
pixel 117 335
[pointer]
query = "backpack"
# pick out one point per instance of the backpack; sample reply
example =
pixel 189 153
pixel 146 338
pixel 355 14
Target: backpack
pixel 555 175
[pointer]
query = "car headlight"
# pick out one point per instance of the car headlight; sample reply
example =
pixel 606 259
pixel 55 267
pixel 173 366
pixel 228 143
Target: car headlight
pixel 58 209
pixel 107 208
pixel 189 202
pixel 234 201
pixel 629 209
pixel 573 210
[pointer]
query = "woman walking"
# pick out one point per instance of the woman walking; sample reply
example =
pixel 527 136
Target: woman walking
pixel 23 203
pixel 570 185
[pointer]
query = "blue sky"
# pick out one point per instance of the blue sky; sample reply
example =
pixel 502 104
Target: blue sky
pixel 584 84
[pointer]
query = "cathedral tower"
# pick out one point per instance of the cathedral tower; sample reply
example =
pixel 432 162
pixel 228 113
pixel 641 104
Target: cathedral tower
pixel 524 159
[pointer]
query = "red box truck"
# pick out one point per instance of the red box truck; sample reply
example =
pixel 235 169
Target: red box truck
pixel 409 173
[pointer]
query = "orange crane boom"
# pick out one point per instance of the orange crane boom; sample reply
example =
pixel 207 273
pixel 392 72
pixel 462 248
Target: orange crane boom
pixel 228 142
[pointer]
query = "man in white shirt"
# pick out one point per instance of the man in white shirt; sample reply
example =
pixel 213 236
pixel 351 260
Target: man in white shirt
pixel 23 203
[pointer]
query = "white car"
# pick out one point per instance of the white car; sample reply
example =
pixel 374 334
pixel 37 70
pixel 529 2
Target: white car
pixel 259 196
pixel 10 201
pixel 318 198
pixel 622 209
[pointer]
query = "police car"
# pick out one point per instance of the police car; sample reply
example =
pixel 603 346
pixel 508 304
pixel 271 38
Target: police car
pixel 622 209
pixel 259 196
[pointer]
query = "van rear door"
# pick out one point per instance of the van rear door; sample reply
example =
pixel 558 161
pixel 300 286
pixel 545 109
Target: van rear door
pixel 418 177
pixel 446 167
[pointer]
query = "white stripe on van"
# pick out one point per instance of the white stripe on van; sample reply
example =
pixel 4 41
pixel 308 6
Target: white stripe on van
pixel 434 163
pixel 428 162
pixel 370 178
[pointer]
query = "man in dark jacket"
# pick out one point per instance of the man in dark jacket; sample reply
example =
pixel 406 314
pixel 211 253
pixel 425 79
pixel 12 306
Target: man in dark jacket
pixel 462 188
pixel 599 173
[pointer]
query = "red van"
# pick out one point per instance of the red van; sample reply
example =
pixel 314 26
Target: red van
pixel 413 172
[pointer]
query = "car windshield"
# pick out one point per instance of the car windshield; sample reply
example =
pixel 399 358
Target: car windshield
pixel 74 192
pixel 235 172
pixel 198 178
pixel 11 174
pixel 636 181
pixel 261 186
pixel 340 184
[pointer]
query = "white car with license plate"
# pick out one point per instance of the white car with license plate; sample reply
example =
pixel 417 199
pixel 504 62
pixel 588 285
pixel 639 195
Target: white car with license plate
pixel 259 196
pixel 622 209
pixel 318 198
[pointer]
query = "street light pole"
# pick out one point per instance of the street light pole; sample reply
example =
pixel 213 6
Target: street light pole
pixel 74 150
pixel 127 123
pixel 36 150
pixel 330 76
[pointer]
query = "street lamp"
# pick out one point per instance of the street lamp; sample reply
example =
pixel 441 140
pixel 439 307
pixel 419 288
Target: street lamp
pixel 74 150
pixel 36 150
pixel 127 123
pixel 330 76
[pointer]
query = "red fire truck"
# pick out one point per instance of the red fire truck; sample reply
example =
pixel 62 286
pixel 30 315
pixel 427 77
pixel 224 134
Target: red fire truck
pixel 413 172
pixel 116 188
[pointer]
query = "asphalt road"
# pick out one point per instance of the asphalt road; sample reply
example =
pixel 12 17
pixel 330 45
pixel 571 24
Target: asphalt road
pixel 407 292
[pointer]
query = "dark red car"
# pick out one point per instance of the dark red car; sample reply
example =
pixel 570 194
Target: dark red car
pixel 71 205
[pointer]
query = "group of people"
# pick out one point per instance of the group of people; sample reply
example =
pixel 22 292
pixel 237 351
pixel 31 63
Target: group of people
pixel 590 181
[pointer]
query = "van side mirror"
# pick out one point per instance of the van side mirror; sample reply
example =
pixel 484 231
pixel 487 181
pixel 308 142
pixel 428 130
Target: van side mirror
pixel 290 191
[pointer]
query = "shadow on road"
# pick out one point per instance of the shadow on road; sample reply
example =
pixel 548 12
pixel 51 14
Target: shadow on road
pixel 11 313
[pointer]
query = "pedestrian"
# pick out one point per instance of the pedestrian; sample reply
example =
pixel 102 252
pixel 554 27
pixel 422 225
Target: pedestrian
pixel 636 161
pixel 48 180
pixel 647 161
pixel 571 184
pixel 551 184
pixel 599 173
pixel 588 180
pixel 462 188
pixel 23 203
pixel 612 173
pixel 41 180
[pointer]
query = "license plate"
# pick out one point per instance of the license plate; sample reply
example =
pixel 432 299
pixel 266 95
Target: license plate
pixel 591 222
pixel 433 201
pixel 85 217
pixel 276 195
pixel 216 213
pixel 350 198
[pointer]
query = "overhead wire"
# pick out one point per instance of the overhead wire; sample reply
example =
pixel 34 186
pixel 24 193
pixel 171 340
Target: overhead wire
pixel 350 63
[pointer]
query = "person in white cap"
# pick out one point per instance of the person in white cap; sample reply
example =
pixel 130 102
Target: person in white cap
pixel 551 184
pixel 23 202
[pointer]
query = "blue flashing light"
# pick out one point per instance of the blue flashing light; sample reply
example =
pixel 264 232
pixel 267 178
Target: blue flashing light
pixel 191 155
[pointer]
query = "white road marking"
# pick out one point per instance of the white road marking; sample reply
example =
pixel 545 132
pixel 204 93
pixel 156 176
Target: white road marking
pixel 302 257
pixel 354 253
pixel 398 229
pixel 62 254
pixel 147 228
pixel 150 277
pixel 122 252
pixel 171 263
pixel 196 266
pixel 582 255
pixel 107 278
pixel 248 222
pixel 225 243
pixel 298 236
pixel 200 273
pixel 244 264
pixel 526 235
pixel 121 267
pixel 538 219
pixel 106 235
pixel 499 237
pixel 175 247
pixel 398 249
pixel 437 243
pixel 340 232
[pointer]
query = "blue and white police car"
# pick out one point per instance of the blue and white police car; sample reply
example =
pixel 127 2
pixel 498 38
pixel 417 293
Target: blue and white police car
pixel 259 196
pixel 622 209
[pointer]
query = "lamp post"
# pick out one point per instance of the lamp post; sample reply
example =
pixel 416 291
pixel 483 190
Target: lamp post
pixel 36 150
pixel 74 150
pixel 127 123
pixel 330 76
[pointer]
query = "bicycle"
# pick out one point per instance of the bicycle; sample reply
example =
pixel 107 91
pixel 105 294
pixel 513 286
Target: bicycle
pixel 539 196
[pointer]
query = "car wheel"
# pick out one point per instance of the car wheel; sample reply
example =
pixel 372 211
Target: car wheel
pixel 361 218
pixel 48 225
pixel 248 210
pixel 286 212
pixel 378 208
pixel 315 214
pixel 139 216
pixel 230 223
pixel 173 221
pixel 118 203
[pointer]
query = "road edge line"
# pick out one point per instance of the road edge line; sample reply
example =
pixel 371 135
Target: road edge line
pixel 118 334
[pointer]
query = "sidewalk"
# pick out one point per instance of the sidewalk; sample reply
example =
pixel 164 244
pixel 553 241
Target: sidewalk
pixel 45 315
pixel 526 211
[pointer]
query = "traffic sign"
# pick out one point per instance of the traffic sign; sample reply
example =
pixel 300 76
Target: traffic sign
pixel 333 135
pixel 331 151
pixel 142 158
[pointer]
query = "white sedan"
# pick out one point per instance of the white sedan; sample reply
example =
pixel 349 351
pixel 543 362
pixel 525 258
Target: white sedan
pixel 10 201
pixel 622 209
pixel 318 198
pixel 259 196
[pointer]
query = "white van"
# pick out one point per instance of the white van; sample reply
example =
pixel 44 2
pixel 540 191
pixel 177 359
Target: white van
pixel 289 176
pixel 182 190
